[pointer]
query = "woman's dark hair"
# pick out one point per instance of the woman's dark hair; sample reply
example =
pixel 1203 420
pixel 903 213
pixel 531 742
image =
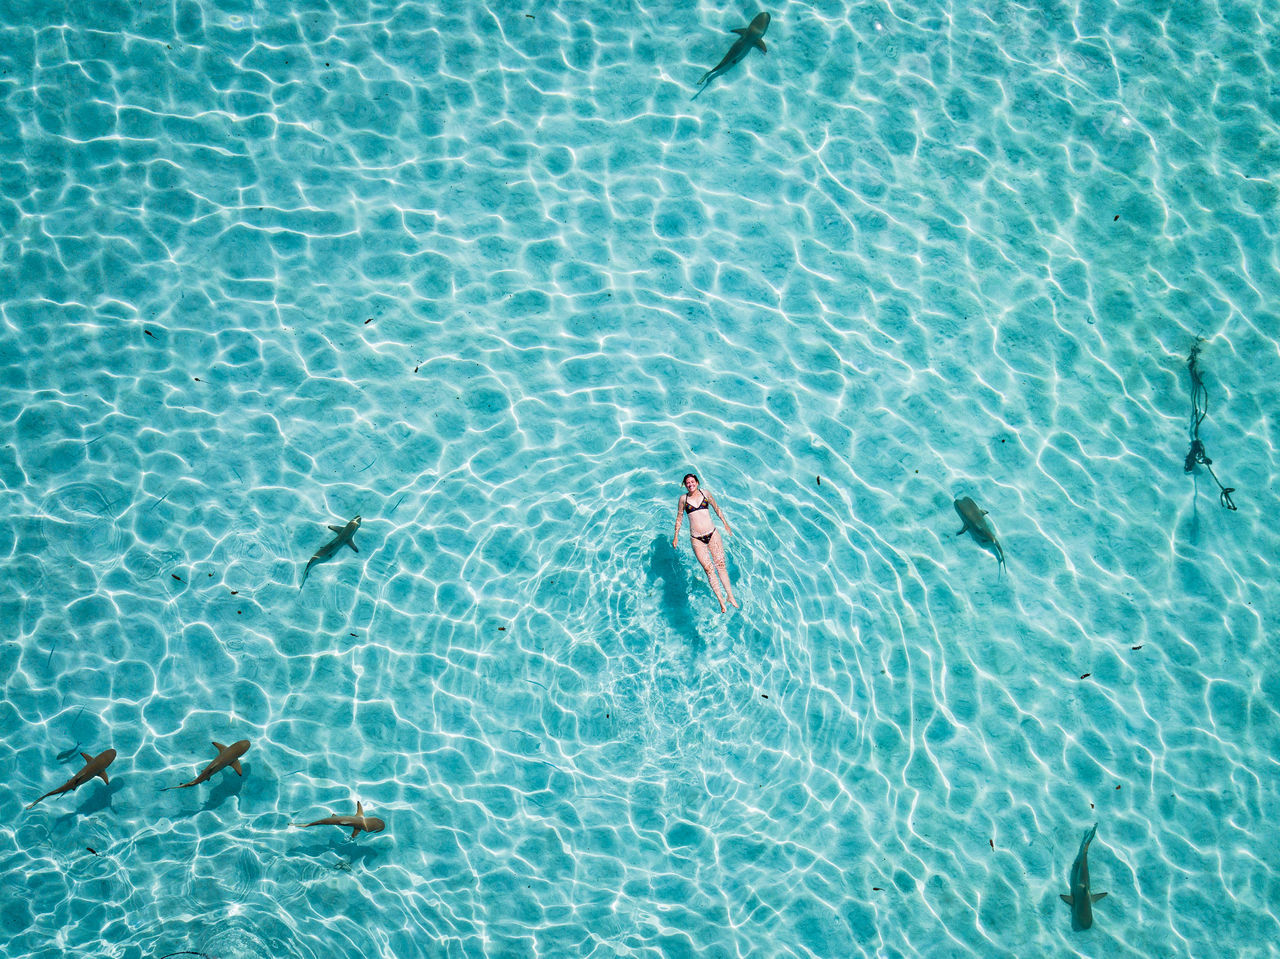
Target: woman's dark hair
pixel 695 478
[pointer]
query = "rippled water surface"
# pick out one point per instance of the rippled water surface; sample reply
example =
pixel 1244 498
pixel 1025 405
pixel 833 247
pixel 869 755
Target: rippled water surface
pixel 487 277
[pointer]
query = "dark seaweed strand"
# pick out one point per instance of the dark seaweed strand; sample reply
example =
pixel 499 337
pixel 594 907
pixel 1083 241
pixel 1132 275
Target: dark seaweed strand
pixel 1199 410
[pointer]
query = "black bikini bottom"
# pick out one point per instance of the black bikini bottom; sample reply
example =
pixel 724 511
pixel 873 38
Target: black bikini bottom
pixel 706 539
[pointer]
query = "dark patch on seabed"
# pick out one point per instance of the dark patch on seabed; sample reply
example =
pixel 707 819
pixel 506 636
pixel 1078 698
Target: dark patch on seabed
pixel 99 800
pixel 666 572
pixel 348 851
pixel 227 788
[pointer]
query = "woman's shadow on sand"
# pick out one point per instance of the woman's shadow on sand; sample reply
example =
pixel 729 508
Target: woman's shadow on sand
pixel 674 584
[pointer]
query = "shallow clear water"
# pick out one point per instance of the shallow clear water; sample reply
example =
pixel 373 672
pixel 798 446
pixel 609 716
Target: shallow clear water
pixel 493 281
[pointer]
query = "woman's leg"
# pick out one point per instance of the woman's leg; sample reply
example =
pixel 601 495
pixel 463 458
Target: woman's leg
pixel 717 553
pixel 703 552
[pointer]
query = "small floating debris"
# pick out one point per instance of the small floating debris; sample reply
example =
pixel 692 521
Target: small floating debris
pixel 176 576
pixel 1086 675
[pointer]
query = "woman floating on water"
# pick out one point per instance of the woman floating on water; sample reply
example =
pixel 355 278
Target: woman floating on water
pixel 703 536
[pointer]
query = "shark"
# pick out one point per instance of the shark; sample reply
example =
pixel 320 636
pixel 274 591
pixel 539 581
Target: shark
pixel 345 537
pixel 227 756
pixel 749 36
pixel 1080 899
pixel 975 522
pixel 356 823
pixel 93 766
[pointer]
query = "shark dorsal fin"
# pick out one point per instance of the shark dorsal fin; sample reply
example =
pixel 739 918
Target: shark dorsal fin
pixel 1069 900
pixel 763 48
pixel 86 757
pixel 103 774
pixel 218 746
pixel 336 529
pixel 236 766
pixel 1098 895
pixel 359 808
pixel 740 31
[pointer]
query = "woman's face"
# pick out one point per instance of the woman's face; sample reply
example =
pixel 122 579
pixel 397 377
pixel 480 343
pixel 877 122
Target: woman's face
pixel 690 483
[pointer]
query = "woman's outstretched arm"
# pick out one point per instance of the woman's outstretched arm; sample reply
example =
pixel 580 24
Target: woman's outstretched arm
pixel 716 506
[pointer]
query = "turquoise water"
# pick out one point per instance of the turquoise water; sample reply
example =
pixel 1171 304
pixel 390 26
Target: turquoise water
pixel 487 277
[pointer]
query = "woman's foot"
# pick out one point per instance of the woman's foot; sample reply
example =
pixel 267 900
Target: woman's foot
pixel 734 601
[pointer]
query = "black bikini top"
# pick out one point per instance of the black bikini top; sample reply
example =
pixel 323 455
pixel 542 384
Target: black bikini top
pixel 694 509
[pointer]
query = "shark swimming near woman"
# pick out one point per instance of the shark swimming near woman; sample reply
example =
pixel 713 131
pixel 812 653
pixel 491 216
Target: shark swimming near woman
pixel 749 36
pixel 346 537
pixel 1081 898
